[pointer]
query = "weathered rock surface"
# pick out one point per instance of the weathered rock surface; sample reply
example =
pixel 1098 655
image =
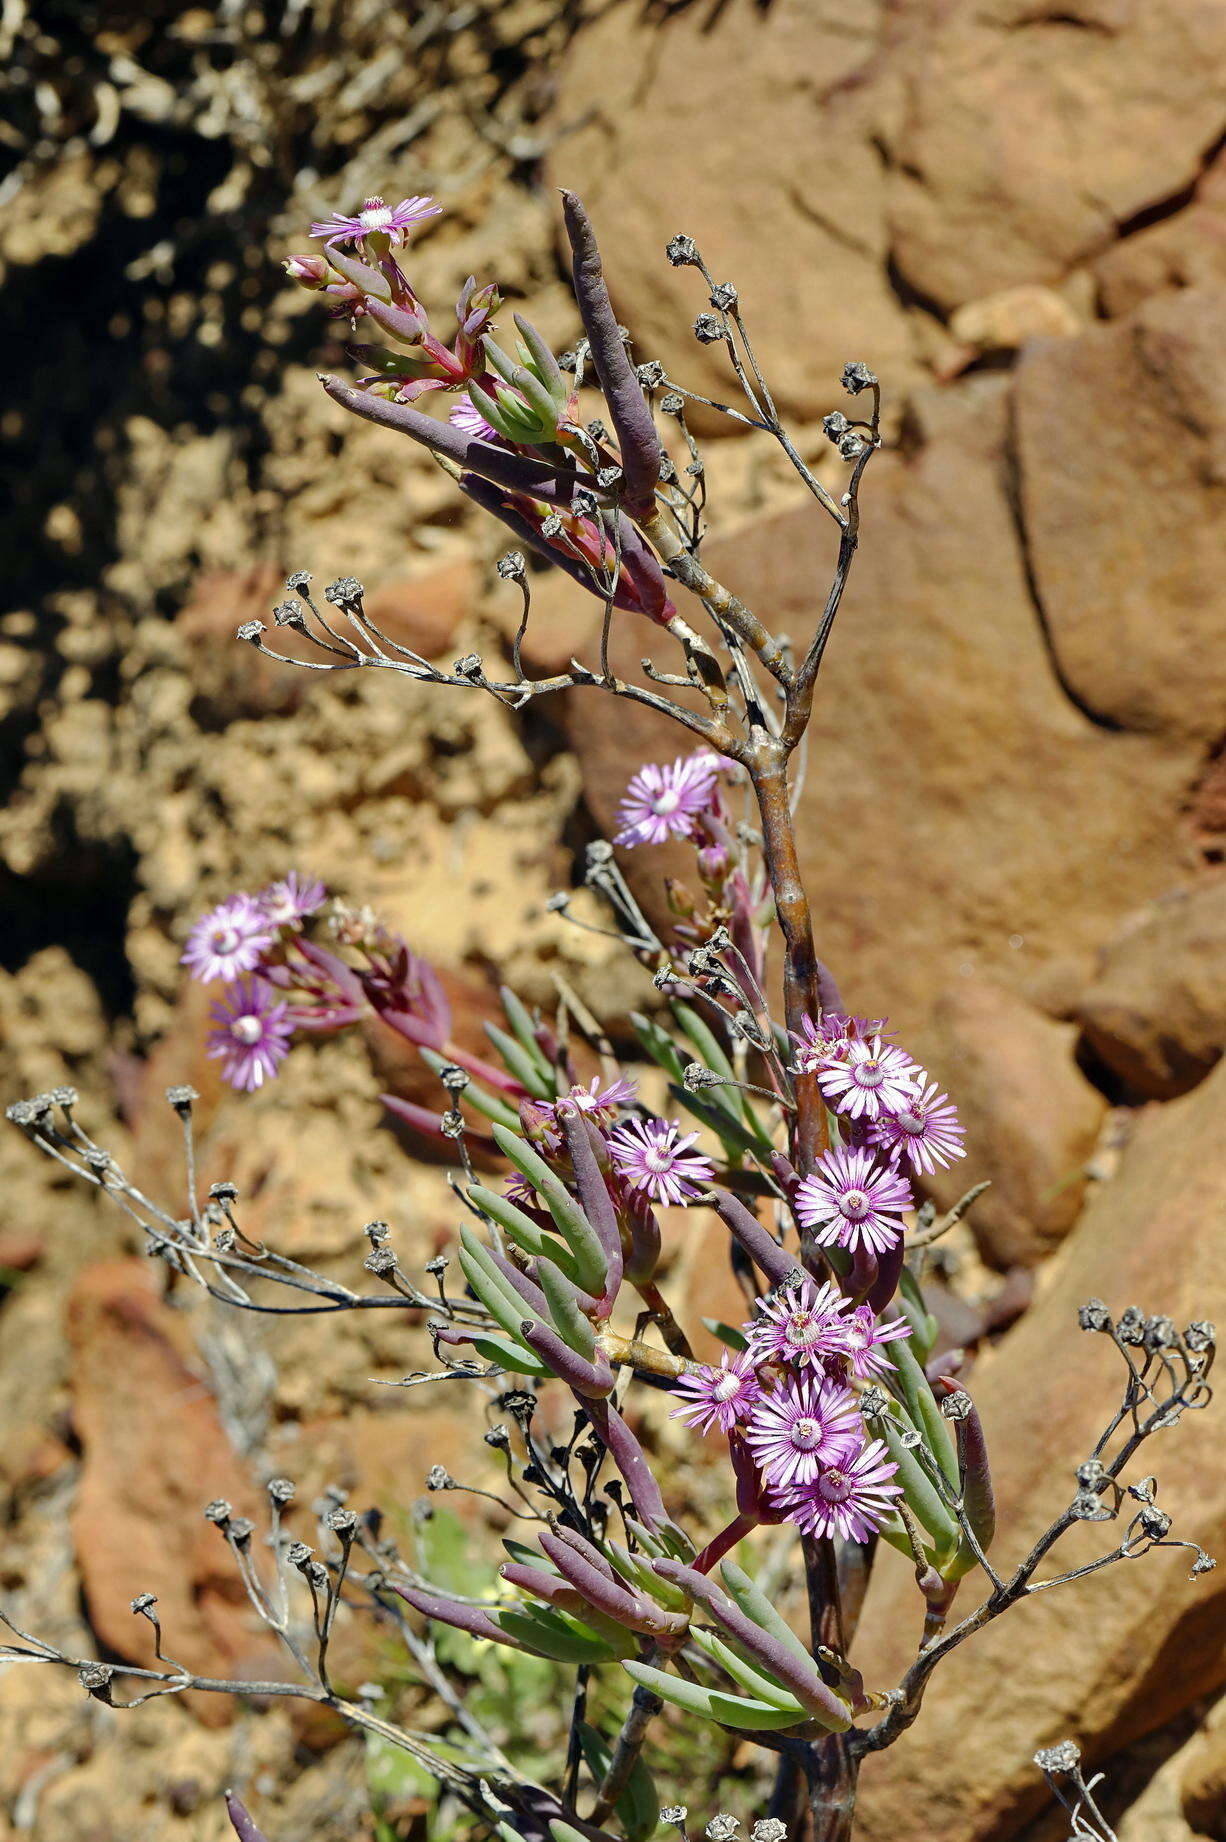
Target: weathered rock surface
pixel 146 1476
pixel 676 141
pixel 1011 161
pixel 1031 1120
pixel 1203 1778
pixel 1121 445
pixel 1108 1659
pixel 961 817
pixel 1155 1015
pixel 1186 250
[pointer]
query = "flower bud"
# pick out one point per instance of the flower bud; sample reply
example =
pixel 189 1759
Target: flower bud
pixel 309 271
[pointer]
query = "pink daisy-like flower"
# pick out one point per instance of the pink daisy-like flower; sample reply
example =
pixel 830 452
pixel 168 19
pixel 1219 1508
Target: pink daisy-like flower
pixel 662 802
pixel 853 1200
pixel 231 939
pixel 926 1131
pixel 599 1104
pixel 465 416
pixel 816 1044
pixel 719 1397
pixel 795 1431
pixel 851 1497
pixel 252 1036
pixel 291 900
pixel 869 1079
pixel 863 1338
pixel 394 221
pixel 801 1324
pixel 654 1155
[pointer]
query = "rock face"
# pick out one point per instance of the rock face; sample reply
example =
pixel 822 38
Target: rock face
pixel 1121 444
pixel 1156 1013
pixel 1031 1119
pixel 676 144
pixel 137 1522
pixel 1111 1658
pixel 960 813
pixel 1010 162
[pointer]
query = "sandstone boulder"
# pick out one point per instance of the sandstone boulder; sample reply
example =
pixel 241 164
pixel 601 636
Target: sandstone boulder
pixel 1031 1120
pixel 154 1451
pixel 1029 135
pixel 1156 1013
pixel 961 817
pixel 1111 1658
pixel 1121 445
pixel 750 129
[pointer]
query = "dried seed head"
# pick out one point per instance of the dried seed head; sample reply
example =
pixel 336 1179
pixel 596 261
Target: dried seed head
pixel 673 404
pixel 64 1096
pixel 241 1530
pixel 851 445
pixel 454 1079
pixel 316 1573
pixel 218 1511
pixel 439 1478
pixel 250 630
pixel 1094 1315
pixel 300 579
pixel 511 566
pixel 223 1192
pixel 768 1829
pixel 607 477
pixel 724 296
pixel 1131 1326
pixel 835 424
pixel 342 1522
pixel 1154 1521
pixel 498 1437
pixel 345 592
pixel 1091 1473
pixel 721 1828
pixel 709 329
pixel 857 377
pixel 1064 1757
pixel 1160 1333
pixel 551 526
pixel 289 614
pixel 95 1679
pixel 143 1602
pixel 597 430
pixel 380 1261
pixel 681 250
pixel 181 1099
pixel 298 1554
pixel 438 1266
pixel 469 666
pixel 518 1403
pixel 281 1489
pixel 957 1406
pixel 674 1814
pixel 1200 1335
pixel 96 1157
pixel 376 1233
pixel 651 374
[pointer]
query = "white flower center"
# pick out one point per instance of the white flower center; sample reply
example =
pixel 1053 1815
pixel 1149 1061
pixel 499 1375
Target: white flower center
pixel 869 1073
pixel 726 1387
pixel 659 1160
pixel 855 1205
pixel 375 215
pixel 247 1030
pixel 226 939
pixel 912 1123
pixel 834 1485
pixel 805 1434
pixel 666 802
pixel 802 1328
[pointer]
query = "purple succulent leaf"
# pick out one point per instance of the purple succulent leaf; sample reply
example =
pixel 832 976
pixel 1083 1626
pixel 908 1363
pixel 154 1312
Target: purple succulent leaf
pixel 240 1817
pixel 590 1381
pixel 447 1611
pixel 798 1674
pixel 547 1586
pixel 582 1140
pixel 631 1460
pixel 762 1248
pixel 418 1118
pixel 607 1595
pixel 518 472
pixel 974 1471
pixel 628 410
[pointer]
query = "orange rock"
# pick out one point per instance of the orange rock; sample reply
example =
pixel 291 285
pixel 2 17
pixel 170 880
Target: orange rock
pixel 1108 1659
pixel 1156 1013
pixel 1031 1120
pixel 423 612
pixel 154 1452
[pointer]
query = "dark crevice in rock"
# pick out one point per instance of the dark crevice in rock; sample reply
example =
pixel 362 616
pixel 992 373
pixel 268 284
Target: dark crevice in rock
pixel 1013 493
pixel 1175 202
pixel 908 295
pixel 80 901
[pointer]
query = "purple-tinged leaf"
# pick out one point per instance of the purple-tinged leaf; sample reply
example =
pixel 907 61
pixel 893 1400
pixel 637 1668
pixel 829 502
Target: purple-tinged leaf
pixel 590 1380
pixel 582 1141
pixel 628 410
pixel 518 472
pixel 974 1471
pixel 240 1817
pixel 631 1460
pixel 762 1248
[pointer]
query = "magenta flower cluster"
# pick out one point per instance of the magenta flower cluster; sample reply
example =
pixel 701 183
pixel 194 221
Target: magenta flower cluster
pixel 892 1117
pixel 788 1404
pixel 237 941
